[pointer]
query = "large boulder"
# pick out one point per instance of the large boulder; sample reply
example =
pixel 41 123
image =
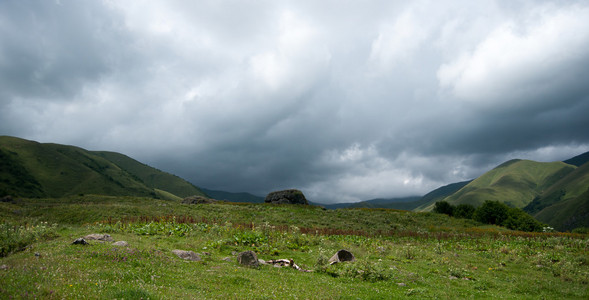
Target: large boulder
pixel 198 200
pixel 248 258
pixel 341 256
pixel 287 197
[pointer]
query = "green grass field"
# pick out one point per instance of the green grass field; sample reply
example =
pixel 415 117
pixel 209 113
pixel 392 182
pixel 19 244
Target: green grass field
pixel 398 254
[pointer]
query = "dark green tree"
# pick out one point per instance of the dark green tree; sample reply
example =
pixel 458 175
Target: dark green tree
pixel 443 207
pixel 491 212
pixel 464 211
pixel 518 219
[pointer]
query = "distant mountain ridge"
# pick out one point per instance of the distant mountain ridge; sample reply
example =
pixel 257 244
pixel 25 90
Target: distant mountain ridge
pixel 233 197
pixel 32 169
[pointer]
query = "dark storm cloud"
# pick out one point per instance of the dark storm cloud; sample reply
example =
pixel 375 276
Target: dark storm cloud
pixel 344 100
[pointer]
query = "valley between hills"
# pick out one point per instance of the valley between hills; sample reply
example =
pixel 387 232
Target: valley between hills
pixel 53 195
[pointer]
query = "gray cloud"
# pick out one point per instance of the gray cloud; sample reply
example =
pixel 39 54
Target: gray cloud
pixel 344 100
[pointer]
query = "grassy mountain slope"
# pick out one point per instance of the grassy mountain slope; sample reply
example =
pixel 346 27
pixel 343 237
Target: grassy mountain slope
pixel 50 170
pixel 578 160
pixel 567 214
pixel 515 182
pixel 152 177
pixel 565 205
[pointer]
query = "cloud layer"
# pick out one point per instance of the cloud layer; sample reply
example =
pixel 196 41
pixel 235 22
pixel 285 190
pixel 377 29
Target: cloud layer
pixel 344 100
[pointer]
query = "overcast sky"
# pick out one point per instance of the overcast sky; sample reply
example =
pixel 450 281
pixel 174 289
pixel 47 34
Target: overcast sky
pixel 345 100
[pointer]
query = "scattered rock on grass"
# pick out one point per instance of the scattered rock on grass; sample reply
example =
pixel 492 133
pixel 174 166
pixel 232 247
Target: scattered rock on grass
pixel 187 255
pixel 99 237
pixel 120 244
pixel 3 267
pixel 248 258
pixel 341 256
pixel 80 241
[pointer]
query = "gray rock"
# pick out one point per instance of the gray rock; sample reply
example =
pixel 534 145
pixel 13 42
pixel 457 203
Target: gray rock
pixel 198 200
pixel 341 256
pixel 248 258
pixel 228 258
pixel 120 244
pixel 187 255
pixel 286 197
pixel 80 241
pixel 3 267
pixel 99 237
pixel 401 284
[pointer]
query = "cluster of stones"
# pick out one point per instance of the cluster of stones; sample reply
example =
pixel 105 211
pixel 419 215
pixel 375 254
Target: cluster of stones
pixel 99 237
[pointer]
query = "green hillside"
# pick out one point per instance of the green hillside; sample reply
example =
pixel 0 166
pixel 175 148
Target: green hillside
pixel 565 205
pixel 32 169
pixel 515 182
pixel 152 177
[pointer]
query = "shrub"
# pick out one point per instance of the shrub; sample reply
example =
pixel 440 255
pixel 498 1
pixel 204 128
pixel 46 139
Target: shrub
pixel 581 230
pixel 443 207
pixel 517 219
pixel 18 237
pixel 464 211
pixel 491 212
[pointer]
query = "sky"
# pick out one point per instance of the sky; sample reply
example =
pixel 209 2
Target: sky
pixel 344 100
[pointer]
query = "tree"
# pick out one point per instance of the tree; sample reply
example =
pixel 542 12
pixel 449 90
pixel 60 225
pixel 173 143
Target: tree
pixel 517 219
pixel 464 211
pixel 443 207
pixel 491 212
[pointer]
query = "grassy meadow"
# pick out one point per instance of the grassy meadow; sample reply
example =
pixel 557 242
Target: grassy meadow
pixel 398 254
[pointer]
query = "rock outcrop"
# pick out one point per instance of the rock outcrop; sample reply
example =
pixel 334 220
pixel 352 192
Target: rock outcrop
pixel 287 197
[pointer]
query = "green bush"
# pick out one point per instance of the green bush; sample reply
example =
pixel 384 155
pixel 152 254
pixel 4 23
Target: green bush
pixel 464 211
pixel 17 237
pixel 517 219
pixel 491 212
pixel 443 207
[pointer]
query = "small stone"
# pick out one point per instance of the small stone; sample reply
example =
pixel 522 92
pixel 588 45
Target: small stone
pixel 120 244
pixel 187 255
pixel 3 267
pixel 230 259
pixel 80 241
pixel 401 284
pixel 37 254
pixel 261 261
pixel 452 277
